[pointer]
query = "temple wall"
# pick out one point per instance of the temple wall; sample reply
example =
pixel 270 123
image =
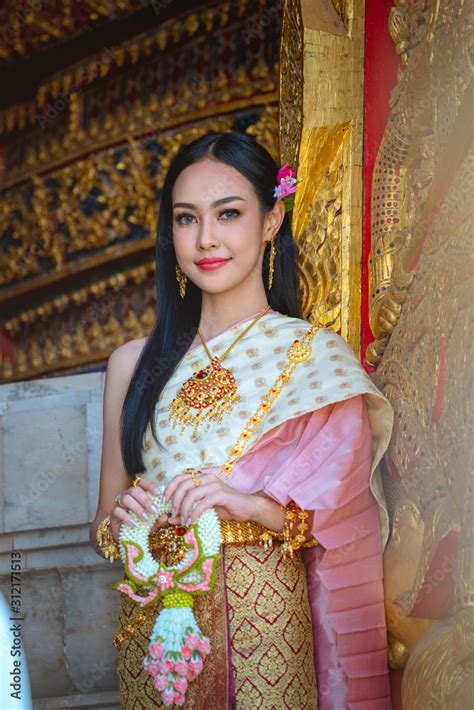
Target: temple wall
pixel 50 441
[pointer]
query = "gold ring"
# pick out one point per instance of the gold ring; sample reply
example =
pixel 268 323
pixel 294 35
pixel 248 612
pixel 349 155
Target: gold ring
pixel 136 481
pixel 194 474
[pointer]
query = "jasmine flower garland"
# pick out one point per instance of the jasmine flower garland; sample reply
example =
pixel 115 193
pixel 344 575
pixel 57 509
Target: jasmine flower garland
pixel 177 648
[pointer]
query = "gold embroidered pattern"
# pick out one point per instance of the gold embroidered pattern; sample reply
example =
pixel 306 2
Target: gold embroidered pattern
pixel 270 630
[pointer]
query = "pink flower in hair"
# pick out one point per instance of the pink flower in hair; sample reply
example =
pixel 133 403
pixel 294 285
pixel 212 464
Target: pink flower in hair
pixel 179 698
pixel 284 172
pixel 287 183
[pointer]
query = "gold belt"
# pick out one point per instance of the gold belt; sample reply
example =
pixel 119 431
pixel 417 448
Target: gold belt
pixel 235 532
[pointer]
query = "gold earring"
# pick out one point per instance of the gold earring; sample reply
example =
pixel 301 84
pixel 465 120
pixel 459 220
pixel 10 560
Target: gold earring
pixel 182 279
pixel 271 264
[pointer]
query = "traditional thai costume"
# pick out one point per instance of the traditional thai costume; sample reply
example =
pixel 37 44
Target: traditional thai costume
pixel 303 633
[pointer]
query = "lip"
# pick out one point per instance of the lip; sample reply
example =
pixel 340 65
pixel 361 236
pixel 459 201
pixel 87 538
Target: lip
pixel 211 264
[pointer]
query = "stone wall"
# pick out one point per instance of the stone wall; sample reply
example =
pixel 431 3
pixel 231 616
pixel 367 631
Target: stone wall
pixel 50 448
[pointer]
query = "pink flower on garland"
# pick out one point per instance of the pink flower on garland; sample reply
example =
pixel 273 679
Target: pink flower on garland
pixel 204 646
pixel 186 652
pixel 195 667
pixel 165 579
pixel 156 649
pixel 161 682
pixel 181 685
pixel 192 640
pixel 168 697
pixel 182 668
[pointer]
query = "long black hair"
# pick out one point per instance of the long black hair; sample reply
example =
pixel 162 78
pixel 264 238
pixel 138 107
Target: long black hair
pixel 177 319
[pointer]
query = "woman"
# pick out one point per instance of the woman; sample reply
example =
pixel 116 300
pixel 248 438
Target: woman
pixel 285 429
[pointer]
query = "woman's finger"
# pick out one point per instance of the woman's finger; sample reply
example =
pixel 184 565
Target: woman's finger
pixel 207 502
pixel 194 494
pixel 174 483
pixel 122 515
pixel 143 498
pixel 148 485
pixel 129 502
pixel 183 487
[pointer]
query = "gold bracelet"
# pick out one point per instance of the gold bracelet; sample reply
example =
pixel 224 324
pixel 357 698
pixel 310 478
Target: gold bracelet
pixel 290 543
pixel 106 542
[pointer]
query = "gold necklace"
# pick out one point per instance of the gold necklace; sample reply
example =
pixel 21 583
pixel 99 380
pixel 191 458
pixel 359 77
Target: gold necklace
pixel 209 393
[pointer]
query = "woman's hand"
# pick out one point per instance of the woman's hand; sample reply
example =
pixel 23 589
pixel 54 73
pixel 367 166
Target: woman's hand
pixel 135 499
pixel 229 503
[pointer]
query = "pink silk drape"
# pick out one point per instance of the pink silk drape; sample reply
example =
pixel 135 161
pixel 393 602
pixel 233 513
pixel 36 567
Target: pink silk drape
pixel 322 461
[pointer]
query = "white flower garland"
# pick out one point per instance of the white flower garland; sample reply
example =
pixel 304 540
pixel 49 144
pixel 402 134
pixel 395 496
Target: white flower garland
pixel 177 646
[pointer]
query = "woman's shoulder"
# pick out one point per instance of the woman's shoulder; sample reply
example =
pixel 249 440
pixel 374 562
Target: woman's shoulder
pixel 123 359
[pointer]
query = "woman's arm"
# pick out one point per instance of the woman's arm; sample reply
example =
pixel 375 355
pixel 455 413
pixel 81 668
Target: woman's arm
pixel 114 479
pixel 230 503
pixel 270 513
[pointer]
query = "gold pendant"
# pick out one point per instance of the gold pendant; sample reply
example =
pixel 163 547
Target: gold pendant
pixel 205 397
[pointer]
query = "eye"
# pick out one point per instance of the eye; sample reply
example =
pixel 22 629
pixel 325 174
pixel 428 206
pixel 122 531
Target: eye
pixel 180 218
pixel 233 213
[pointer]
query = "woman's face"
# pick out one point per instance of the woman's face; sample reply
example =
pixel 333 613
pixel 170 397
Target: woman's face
pixel 219 232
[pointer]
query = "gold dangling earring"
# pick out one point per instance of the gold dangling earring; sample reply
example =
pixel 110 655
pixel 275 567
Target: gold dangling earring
pixel 271 263
pixel 182 279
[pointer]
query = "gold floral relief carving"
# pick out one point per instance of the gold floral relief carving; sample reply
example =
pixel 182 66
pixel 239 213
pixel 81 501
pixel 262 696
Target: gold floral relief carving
pixel 53 334
pixel 265 130
pixel 421 314
pixel 25 27
pixel 192 97
pixel 320 235
pixel 321 135
pixel 426 372
pixel 291 82
pixel 428 131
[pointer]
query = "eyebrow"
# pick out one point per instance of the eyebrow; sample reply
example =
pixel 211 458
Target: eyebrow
pixel 216 203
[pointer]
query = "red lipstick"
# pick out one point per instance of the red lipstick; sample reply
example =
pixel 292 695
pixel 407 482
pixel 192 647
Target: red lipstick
pixel 211 264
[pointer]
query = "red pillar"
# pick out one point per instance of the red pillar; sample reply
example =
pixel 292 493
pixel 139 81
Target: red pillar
pixel 380 76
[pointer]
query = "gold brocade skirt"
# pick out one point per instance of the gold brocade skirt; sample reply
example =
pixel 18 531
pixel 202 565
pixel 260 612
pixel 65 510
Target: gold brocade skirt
pixel 258 620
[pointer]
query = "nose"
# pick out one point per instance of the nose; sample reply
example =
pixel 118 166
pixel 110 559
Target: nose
pixel 207 237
